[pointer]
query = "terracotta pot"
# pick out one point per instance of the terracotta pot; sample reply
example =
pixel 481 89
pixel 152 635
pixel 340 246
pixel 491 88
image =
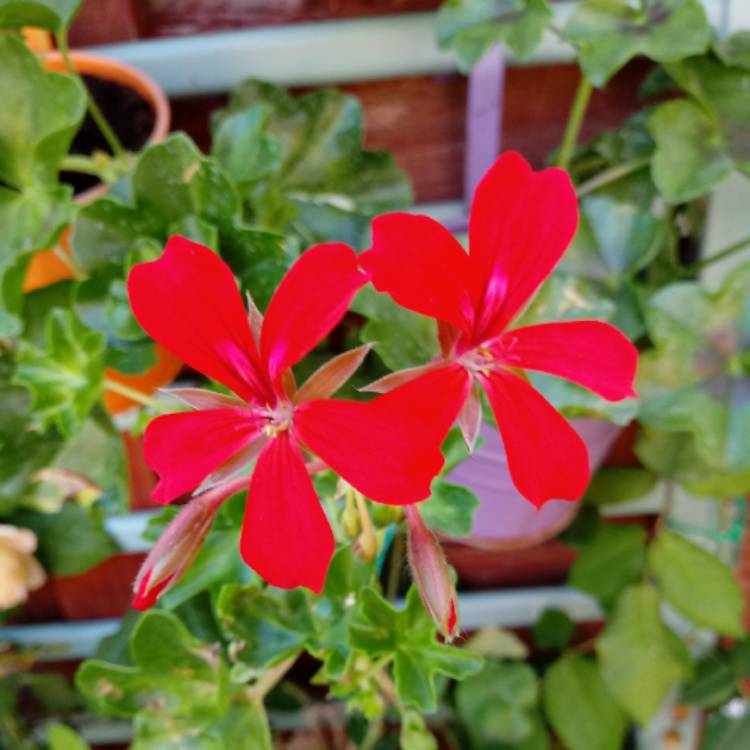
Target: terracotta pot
pixel 48 266
pixel 505 519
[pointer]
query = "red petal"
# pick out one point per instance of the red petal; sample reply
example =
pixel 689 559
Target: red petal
pixel 389 448
pixel 588 352
pixel 546 458
pixel 422 266
pixel 311 299
pixel 521 224
pixel 184 448
pixel 188 301
pixel 286 537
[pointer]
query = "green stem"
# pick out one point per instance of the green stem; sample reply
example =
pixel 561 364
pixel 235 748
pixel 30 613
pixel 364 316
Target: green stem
pixel 397 561
pixel 725 253
pixel 61 37
pixel 271 678
pixel 613 174
pixel 374 733
pixel 80 164
pixel 133 394
pixel 575 121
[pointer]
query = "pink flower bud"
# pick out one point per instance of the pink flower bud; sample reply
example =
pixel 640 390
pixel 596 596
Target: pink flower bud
pixel 429 570
pixel 179 544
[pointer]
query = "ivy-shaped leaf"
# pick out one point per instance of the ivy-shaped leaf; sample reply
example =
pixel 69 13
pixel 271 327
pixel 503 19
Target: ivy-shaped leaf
pixel 471 27
pixel 640 658
pixel 174 189
pixel 608 33
pixel 173 675
pixel 497 704
pixel 408 636
pixel 302 165
pixel 450 508
pixel 696 583
pixel 40 115
pixel 700 140
pixel 66 378
pixel 611 560
pixel 580 708
pixel 697 379
pixel 52 15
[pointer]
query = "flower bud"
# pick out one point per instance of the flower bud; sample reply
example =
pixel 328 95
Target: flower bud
pixel 20 572
pixel 176 549
pixel 429 570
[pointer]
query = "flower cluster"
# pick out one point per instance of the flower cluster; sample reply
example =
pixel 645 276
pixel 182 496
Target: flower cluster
pixel 388 448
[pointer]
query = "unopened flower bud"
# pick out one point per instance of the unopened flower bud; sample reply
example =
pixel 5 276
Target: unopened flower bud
pixel 20 572
pixel 429 570
pixel 175 550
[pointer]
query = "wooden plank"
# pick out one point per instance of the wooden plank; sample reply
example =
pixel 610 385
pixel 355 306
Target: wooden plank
pixel 108 21
pixel 167 18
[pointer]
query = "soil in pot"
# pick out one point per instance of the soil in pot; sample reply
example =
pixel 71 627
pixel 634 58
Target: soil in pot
pixel 128 113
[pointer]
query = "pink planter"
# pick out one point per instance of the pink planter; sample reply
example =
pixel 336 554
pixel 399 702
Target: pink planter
pixel 505 520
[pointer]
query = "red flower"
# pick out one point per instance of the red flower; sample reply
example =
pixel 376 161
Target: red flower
pixel 521 224
pixel 389 449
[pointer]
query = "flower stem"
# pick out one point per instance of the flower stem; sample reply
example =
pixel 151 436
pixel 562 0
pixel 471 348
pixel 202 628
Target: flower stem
pixel 613 174
pixel 134 395
pixel 725 253
pixel 80 164
pixel 575 121
pixel 368 542
pixel 61 37
pixel 397 561
pixel 271 678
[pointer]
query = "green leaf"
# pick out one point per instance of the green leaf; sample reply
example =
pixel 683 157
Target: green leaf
pixel 23 449
pixel 471 27
pixel 726 732
pixel 52 15
pixel 70 541
pixel 409 637
pixel 402 338
pixel 173 675
pixel 640 658
pixel 610 561
pixel 66 378
pixel 496 704
pixel 320 183
pixel 734 50
pixel 450 508
pixel 176 190
pixel 608 33
pixel 619 484
pixel 694 380
pixel 40 115
pixel 414 733
pixel 62 737
pixel 713 684
pixel 696 583
pixel 691 156
pixel 553 630
pixel 580 708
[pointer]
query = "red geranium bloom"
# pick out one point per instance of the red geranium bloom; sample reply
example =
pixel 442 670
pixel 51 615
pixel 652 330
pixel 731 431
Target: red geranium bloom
pixel 521 224
pixel 389 449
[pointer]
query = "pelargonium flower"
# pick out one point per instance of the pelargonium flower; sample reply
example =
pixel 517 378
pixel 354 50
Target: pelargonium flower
pixel 389 449
pixel 521 224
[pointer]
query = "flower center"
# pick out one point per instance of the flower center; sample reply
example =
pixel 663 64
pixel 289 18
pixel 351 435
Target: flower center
pixel 278 418
pixel 478 361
